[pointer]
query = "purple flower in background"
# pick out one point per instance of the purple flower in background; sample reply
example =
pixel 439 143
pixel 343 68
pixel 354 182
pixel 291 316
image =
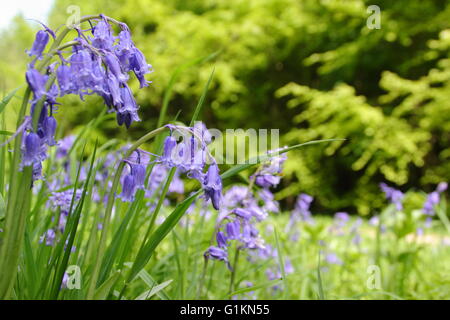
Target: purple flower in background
pixel 442 186
pixel 49 237
pixel 267 180
pixel 274 274
pixel 270 205
pixel 268 176
pixel 302 207
pixel 177 184
pixel 241 209
pixel 332 258
pixel 235 196
pixel 433 199
pixel 63 199
pixel 157 179
pixel 339 223
pixel 374 221
pixel 341 217
pixel 64 146
pixel 393 195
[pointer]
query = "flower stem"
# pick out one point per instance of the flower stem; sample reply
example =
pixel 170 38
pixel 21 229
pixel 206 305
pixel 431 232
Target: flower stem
pixel 234 270
pixel 202 279
pixel 109 207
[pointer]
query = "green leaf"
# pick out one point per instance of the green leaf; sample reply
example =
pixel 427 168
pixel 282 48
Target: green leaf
pixel 2 208
pixel 319 280
pixel 281 262
pixel 148 279
pixel 149 293
pixel 171 221
pixel 201 101
pixel 117 239
pixel 71 227
pixel 254 288
pixel 102 292
pixel 264 157
pixel 7 99
pixel 174 77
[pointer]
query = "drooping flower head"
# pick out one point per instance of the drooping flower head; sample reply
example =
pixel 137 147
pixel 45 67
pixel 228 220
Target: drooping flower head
pixel 191 156
pixel 99 64
pixel 433 199
pixel 39 44
pixel 269 174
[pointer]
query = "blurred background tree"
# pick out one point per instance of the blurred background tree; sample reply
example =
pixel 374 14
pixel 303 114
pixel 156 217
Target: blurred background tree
pixel 311 68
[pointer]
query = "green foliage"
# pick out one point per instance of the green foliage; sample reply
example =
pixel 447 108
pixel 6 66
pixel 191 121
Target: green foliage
pixel 385 90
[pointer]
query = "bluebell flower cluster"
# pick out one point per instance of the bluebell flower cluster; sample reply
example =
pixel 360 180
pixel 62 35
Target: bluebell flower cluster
pixel 269 174
pixel 241 211
pixel 433 199
pixel 99 64
pixel 429 206
pixel 339 223
pixel 393 195
pixel 190 156
pixel 301 213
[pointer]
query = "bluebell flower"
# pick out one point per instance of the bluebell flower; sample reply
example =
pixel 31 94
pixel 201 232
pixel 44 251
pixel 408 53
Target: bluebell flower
pixel 270 204
pixel 302 207
pixel 127 111
pixel 63 199
pixel 49 237
pixel 243 213
pixel 32 149
pixel 217 254
pixel 113 65
pixel 103 38
pixel 138 172
pixel 63 75
pixel 268 175
pixel 332 258
pixel 433 199
pixel 233 229
pixel 128 188
pixel 212 185
pixel 37 83
pixel 221 239
pixel 64 145
pixel 39 44
pixel 341 217
pixel 393 195
pixel 97 65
